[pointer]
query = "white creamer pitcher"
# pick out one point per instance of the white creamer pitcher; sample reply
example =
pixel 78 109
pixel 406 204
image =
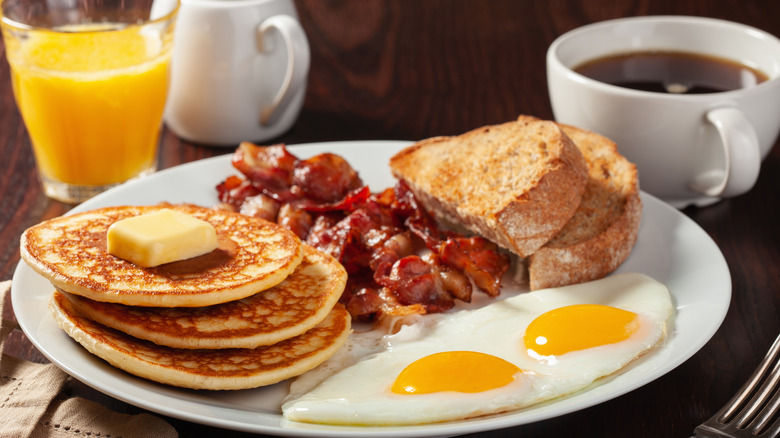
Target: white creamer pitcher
pixel 238 72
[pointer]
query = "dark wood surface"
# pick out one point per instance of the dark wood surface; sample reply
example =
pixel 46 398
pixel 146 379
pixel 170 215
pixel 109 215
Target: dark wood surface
pixel 415 69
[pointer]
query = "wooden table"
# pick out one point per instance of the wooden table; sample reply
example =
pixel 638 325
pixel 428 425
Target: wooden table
pixel 409 70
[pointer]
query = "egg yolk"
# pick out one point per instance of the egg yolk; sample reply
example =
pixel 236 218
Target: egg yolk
pixel 461 371
pixel 578 327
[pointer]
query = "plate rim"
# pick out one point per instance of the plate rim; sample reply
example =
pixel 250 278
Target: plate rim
pixel 494 422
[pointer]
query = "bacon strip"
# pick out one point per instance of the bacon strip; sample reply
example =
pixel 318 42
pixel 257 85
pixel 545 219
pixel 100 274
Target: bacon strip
pixel 377 237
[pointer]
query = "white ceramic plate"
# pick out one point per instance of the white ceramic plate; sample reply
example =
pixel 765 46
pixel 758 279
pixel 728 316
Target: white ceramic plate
pixel 671 248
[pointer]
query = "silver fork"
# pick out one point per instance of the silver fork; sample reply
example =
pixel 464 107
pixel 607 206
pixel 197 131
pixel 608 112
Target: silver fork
pixel 753 410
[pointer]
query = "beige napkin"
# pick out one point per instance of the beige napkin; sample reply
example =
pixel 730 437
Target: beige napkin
pixel 32 403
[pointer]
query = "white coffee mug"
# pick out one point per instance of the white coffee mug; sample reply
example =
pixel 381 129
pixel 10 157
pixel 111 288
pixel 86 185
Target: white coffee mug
pixel 689 149
pixel 238 71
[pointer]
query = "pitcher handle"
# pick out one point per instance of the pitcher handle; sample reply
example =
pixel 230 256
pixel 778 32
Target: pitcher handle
pixel 298 59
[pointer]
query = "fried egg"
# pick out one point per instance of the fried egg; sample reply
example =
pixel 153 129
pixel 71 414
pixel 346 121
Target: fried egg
pixel 504 356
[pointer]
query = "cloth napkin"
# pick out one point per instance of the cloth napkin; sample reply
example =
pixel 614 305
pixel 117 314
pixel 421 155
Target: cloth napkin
pixel 33 402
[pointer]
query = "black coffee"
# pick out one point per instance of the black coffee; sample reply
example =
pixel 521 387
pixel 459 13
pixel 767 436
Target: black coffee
pixel 671 72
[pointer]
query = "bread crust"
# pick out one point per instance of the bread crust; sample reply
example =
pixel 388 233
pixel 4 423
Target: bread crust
pixel 517 183
pixel 603 231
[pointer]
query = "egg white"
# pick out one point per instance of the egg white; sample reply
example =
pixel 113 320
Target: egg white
pixel 353 387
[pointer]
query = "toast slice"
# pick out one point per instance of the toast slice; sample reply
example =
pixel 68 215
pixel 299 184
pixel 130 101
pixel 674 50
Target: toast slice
pixel 603 231
pixel 516 184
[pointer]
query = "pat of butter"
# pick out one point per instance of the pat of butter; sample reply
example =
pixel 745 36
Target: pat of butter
pixel 160 237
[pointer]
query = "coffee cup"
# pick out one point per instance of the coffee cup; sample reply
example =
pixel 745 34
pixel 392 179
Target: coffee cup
pixel 690 149
pixel 239 71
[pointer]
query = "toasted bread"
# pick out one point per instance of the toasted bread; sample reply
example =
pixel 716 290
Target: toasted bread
pixel 517 183
pixel 71 252
pixel 602 232
pixel 232 368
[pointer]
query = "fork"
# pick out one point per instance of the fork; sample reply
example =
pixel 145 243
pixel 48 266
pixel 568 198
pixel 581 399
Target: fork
pixel 753 410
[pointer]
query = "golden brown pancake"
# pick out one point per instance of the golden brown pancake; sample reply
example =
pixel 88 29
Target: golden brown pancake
pixel 288 309
pixel 253 255
pixel 233 368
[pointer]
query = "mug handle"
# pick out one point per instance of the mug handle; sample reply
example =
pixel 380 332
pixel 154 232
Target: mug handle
pixel 742 155
pixel 298 58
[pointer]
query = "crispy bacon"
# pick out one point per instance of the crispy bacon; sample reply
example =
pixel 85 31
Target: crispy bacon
pixel 454 281
pixel 479 259
pixel 325 178
pixel 413 281
pixel 265 166
pixel 377 237
pixel 357 239
pixel 416 218
pixel 235 190
pixel 297 220
pixel 348 202
pixel 261 206
pixel 397 246
pixel 363 303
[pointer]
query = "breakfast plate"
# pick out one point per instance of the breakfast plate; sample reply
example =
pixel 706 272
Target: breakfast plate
pixel 670 248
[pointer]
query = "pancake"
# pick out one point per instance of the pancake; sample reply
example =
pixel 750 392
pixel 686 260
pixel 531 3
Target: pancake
pixel 288 309
pixel 253 255
pixel 234 368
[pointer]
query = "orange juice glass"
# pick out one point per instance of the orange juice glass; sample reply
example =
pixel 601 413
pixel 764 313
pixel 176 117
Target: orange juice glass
pixel 90 79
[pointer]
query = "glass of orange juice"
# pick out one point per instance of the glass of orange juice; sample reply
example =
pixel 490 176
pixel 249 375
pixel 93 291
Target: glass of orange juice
pixel 90 79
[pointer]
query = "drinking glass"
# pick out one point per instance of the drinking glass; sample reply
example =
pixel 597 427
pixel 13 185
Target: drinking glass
pixel 90 79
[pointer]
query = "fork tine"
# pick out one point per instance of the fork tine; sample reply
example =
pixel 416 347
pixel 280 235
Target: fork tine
pixel 749 406
pixel 737 402
pixel 759 400
pixel 768 413
pixel 773 429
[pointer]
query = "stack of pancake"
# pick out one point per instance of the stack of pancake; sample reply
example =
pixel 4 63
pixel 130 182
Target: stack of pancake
pixel 261 308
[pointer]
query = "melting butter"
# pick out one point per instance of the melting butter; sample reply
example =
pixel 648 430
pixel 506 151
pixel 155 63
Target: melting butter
pixel 160 237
